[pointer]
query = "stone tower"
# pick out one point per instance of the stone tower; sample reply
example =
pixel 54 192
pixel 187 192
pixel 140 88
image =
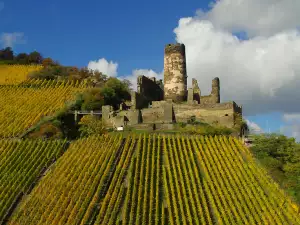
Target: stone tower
pixel 215 91
pixel 175 78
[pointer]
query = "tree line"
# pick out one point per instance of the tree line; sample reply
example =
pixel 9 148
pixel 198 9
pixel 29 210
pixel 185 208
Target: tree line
pixel 7 56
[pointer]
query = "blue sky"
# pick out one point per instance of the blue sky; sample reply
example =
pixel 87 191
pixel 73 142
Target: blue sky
pixel 224 40
pixel 133 33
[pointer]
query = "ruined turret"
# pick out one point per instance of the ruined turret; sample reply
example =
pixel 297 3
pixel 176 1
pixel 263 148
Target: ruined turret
pixel 196 90
pixel 175 78
pixel 215 91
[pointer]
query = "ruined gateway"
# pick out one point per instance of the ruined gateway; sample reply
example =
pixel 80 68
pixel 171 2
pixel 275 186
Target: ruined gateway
pixel 164 104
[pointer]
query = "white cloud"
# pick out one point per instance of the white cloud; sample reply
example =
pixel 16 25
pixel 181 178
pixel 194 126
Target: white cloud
pixel 294 117
pixel 11 39
pixel 292 125
pixel 111 69
pixel 256 17
pixel 254 127
pixel 291 130
pixel 262 73
pixel 102 65
pixel 146 72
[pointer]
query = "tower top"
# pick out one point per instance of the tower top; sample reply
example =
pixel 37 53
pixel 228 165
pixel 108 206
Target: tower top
pixel 175 48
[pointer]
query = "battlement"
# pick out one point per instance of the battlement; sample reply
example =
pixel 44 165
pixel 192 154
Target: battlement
pixel 175 48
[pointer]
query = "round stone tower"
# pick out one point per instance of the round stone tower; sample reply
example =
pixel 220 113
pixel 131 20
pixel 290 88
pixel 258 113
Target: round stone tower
pixel 175 78
pixel 215 92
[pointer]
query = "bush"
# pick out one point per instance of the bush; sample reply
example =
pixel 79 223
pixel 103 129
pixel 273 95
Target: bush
pixel 204 129
pixel 48 130
pixel 91 125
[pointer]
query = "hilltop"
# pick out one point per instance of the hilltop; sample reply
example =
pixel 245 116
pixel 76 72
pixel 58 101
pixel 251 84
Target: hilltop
pixel 56 169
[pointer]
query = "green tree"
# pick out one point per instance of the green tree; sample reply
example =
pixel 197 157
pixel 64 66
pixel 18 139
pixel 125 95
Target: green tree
pixel 90 125
pixel 281 157
pixel 7 54
pixel 93 99
pixel 22 58
pixel 35 58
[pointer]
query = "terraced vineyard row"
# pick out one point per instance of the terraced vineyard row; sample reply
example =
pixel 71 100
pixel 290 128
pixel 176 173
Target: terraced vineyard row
pixel 17 73
pixel 21 162
pixel 22 106
pixel 156 180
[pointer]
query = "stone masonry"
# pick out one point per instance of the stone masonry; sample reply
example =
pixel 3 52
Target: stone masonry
pixel 170 102
pixel 175 78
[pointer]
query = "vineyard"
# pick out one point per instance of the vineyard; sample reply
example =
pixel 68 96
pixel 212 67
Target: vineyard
pixel 21 162
pixel 21 106
pixel 16 74
pixel 156 179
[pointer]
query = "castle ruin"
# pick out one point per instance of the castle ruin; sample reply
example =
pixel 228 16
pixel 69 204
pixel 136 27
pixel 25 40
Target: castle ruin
pixel 164 103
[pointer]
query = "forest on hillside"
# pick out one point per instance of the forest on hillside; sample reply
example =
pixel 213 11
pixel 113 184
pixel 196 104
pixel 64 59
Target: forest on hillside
pixel 280 155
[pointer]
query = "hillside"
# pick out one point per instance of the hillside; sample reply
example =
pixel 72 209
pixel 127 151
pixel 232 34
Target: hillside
pixel 56 171
pixel 24 105
pixel 17 73
pixel 21 163
pixel 156 180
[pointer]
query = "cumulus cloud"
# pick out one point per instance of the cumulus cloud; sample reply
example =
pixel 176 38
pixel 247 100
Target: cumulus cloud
pixel 294 117
pixel 261 73
pixel 255 17
pixel 292 130
pixel 292 125
pixel 102 65
pixel 146 72
pixel 11 39
pixel 254 127
pixel 111 70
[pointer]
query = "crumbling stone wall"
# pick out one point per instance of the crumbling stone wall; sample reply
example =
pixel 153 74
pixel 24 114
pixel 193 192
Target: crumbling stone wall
pixel 214 97
pixel 149 88
pixel 215 91
pixel 106 114
pixel 158 104
pixel 222 113
pixel 175 78
pixel 138 101
pixel 196 90
pixel 237 109
pixel 194 93
pixel 153 115
pixel 132 116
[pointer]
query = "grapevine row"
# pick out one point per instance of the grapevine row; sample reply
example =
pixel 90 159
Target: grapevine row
pixel 155 179
pixel 21 163
pixel 22 107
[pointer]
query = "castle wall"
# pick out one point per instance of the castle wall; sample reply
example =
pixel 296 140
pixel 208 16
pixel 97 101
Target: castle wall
pixel 175 78
pixel 222 113
pixel 149 89
pixel 138 101
pixel 194 93
pixel 215 91
pixel 207 99
pixel 167 112
pixel 132 116
pixel 153 115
